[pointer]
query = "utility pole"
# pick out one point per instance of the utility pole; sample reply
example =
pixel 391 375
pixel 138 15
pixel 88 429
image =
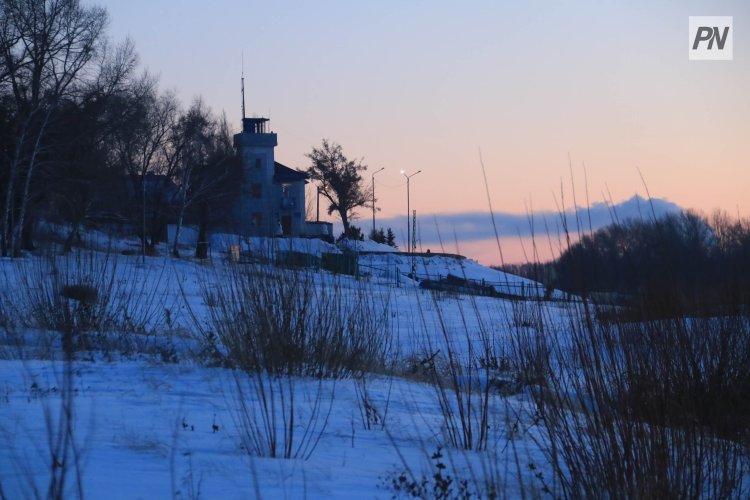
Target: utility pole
pixel 242 88
pixel 414 231
pixel 408 208
pixel 317 206
pixel 373 197
pixel 413 242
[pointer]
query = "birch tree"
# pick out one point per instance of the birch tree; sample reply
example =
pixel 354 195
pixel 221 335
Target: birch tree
pixel 46 47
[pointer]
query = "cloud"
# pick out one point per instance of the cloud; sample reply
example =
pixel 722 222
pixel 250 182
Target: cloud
pixel 475 226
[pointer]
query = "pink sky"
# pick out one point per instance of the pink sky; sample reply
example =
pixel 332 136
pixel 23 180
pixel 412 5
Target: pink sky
pixel 426 85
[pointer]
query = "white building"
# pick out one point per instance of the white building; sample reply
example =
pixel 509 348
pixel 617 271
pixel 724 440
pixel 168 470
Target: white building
pixel 272 196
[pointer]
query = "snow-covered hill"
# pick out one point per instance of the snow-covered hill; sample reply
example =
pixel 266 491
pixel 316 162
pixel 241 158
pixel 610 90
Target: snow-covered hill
pixel 153 417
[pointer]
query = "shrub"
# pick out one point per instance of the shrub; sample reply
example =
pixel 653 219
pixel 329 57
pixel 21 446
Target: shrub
pixel 87 294
pixel 652 409
pixel 462 377
pixel 438 485
pixel 277 326
pixel 280 416
pixel 371 416
pixel 297 322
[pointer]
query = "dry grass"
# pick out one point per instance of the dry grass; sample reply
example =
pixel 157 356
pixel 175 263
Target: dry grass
pixel 653 409
pixel 283 321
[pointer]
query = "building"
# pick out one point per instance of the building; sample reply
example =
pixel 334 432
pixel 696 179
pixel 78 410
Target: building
pixel 272 196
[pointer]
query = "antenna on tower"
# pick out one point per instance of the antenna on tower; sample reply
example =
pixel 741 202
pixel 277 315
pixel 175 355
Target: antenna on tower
pixel 242 80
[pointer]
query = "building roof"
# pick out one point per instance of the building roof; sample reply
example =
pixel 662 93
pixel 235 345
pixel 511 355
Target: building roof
pixel 155 185
pixel 283 174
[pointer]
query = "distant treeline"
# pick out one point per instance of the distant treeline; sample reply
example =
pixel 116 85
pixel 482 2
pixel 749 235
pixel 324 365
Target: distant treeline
pixel 678 263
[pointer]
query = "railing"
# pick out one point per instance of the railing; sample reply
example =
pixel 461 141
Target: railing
pixel 505 288
pixel 390 274
pixel 502 288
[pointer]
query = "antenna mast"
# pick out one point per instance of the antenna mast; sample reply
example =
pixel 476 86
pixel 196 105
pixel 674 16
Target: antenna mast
pixel 242 80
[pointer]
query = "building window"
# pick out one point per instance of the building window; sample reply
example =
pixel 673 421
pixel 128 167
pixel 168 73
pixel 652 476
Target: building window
pixel 288 201
pixel 256 190
pixel 257 163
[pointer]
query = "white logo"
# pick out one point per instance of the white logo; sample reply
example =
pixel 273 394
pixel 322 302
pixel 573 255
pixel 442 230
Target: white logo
pixel 710 38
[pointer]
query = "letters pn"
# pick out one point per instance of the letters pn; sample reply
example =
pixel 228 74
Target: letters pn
pixel 709 34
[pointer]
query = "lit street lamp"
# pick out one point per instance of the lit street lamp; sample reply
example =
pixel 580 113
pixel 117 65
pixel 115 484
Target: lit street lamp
pixel 373 197
pixel 408 209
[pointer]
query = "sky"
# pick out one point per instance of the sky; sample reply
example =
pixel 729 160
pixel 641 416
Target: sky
pixel 561 102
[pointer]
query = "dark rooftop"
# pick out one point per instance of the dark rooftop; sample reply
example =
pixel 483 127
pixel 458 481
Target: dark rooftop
pixel 283 174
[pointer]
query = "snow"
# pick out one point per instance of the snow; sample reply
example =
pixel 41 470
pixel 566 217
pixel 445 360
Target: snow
pixel 188 234
pixel 366 246
pixel 438 266
pixel 146 431
pixel 268 247
pixel 154 419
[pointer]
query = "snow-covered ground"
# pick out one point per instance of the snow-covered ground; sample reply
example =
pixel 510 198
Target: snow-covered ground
pixel 153 418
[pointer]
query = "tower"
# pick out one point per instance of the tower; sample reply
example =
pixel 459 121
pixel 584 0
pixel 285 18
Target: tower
pixel 255 149
pixel 271 196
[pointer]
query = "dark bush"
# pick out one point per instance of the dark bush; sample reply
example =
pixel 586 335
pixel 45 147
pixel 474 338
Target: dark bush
pixel 85 294
pixel 648 409
pixel 294 322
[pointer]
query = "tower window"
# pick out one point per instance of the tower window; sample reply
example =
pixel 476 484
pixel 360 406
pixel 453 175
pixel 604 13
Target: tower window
pixel 256 190
pixel 257 163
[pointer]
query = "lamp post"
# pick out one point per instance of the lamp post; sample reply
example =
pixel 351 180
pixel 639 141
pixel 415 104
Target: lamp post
pixel 408 208
pixel 373 197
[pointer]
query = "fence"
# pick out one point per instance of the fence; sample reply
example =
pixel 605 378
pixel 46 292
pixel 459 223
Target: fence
pixel 349 264
pixel 504 288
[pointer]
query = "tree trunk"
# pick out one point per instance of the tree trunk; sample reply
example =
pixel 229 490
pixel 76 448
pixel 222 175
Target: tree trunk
pixel 75 233
pixel 27 185
pixel 7 239
pixel 157 229
pixel 8 225
pixel 175 250
pixel 344 222
pixel 201 247
pixel 143 206
pixel 27 233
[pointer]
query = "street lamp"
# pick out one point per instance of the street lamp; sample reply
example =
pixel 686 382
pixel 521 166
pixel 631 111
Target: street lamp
pixel 373 197
pixel 408 208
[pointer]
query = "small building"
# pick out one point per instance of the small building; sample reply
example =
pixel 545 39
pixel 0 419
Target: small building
pixel 272 195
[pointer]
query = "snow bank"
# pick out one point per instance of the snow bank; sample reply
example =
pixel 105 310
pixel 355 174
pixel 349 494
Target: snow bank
pixel 365 246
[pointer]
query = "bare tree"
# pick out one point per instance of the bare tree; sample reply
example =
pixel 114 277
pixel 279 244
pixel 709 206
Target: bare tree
pixel 144 148
pixel 75 181
pixel 340 181
pixel 206 151
pixel 45 48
